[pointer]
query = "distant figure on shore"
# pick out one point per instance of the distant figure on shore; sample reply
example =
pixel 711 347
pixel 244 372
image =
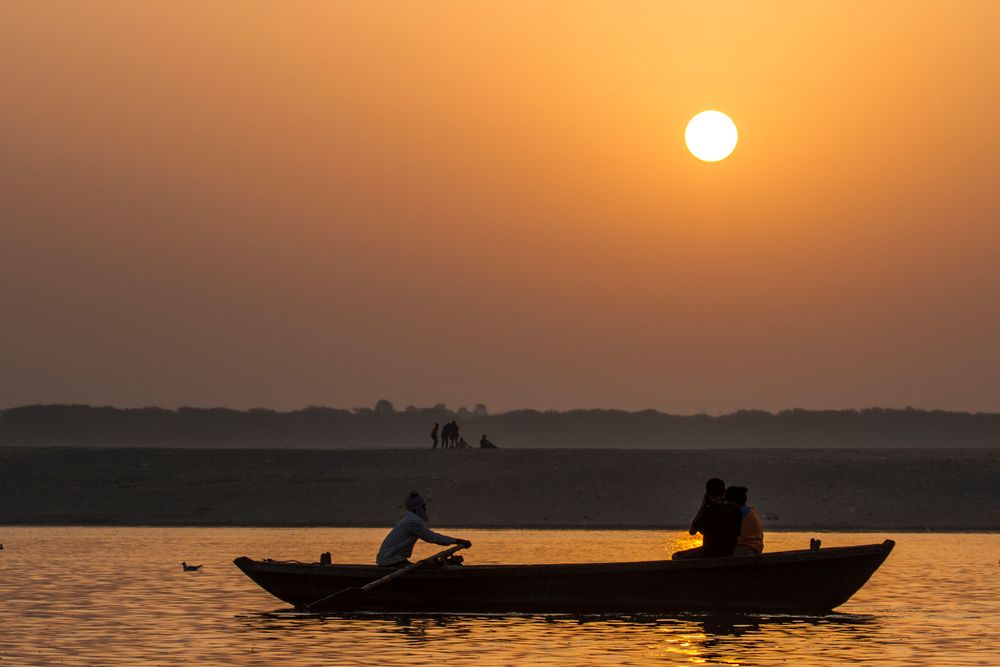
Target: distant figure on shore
pixel 486 444
pixel 453 435
pixel 718 521
pixel 462 444
pixel 445 435
pixel 751 539
pixel 434 436
pixel 398 544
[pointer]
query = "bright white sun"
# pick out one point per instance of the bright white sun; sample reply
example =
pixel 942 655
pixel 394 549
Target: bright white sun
pixel 711 136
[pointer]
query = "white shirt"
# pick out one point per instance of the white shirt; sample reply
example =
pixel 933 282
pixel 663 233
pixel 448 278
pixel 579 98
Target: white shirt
pixel 398 544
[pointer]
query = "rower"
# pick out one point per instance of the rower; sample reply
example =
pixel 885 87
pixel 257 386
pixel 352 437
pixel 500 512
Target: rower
pixel 398 544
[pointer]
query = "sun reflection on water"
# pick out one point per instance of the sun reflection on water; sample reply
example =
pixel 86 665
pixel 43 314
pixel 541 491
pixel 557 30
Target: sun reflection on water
pixel 681 541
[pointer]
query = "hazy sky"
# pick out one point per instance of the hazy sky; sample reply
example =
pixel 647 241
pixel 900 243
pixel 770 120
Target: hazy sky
pixel 290 203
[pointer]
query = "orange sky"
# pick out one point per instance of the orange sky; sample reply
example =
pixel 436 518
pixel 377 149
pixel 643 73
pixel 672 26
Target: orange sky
pixel 291 203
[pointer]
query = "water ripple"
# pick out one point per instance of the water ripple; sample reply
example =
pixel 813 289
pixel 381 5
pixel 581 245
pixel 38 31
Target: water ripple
pixel 117 596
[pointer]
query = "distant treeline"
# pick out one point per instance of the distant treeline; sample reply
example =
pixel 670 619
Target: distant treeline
pixel 384 426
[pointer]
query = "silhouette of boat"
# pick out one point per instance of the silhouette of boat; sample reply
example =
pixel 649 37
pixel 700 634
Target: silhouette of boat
pixel 807 581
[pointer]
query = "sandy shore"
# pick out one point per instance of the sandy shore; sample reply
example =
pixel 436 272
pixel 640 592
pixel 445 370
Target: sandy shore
pixel 794 489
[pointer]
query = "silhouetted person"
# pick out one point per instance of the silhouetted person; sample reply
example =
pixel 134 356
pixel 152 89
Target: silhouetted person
pixel 434 436
pixel 718 521
pixel 715 489
pixel 398 544
pixel 446 436
pixel 462 444
pixel 751 539
pixel 455 434
pixel 486 444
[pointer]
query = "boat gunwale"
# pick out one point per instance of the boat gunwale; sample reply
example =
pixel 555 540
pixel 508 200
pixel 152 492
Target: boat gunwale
pixel 248 565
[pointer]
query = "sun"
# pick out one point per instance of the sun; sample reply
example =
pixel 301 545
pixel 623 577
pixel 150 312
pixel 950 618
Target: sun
pixel 711 136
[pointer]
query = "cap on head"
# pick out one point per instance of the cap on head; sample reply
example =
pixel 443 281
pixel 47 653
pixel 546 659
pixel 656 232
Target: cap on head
pixel 414 502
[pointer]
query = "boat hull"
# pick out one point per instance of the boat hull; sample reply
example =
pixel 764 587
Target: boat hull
pixel 782 582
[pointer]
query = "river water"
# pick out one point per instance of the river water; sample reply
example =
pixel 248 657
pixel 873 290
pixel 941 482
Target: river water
pixel 118 596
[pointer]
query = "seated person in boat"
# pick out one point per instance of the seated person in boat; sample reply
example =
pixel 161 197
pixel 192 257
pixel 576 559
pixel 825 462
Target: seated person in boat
pixel 398 544
pixel 751 539
pixel 715 490
pixel 718 521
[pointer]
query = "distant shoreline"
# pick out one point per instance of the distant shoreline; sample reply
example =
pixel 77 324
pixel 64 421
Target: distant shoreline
pixel 786 529
pixel 818 490
pixel 384 427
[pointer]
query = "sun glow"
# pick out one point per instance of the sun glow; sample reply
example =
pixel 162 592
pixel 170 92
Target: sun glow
pixel 711 136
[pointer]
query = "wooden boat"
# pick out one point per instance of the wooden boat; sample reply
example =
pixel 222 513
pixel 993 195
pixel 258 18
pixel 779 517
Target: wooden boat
pixel 807 581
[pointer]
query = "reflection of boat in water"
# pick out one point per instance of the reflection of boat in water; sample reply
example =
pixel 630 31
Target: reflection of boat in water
pixel 808 581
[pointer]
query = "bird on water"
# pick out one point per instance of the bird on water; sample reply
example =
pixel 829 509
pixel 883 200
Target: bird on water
pixel 190 568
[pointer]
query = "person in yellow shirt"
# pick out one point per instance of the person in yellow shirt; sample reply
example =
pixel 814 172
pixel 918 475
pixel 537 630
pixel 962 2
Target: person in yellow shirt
pixel 751 539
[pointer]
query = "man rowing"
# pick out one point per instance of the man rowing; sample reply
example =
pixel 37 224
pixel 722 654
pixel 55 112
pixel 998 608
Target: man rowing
pixel 398 544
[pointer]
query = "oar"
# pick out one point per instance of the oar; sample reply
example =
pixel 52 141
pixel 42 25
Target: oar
pixel 354 594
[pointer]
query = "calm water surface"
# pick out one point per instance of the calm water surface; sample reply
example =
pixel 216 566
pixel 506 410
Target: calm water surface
pixel 117 596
